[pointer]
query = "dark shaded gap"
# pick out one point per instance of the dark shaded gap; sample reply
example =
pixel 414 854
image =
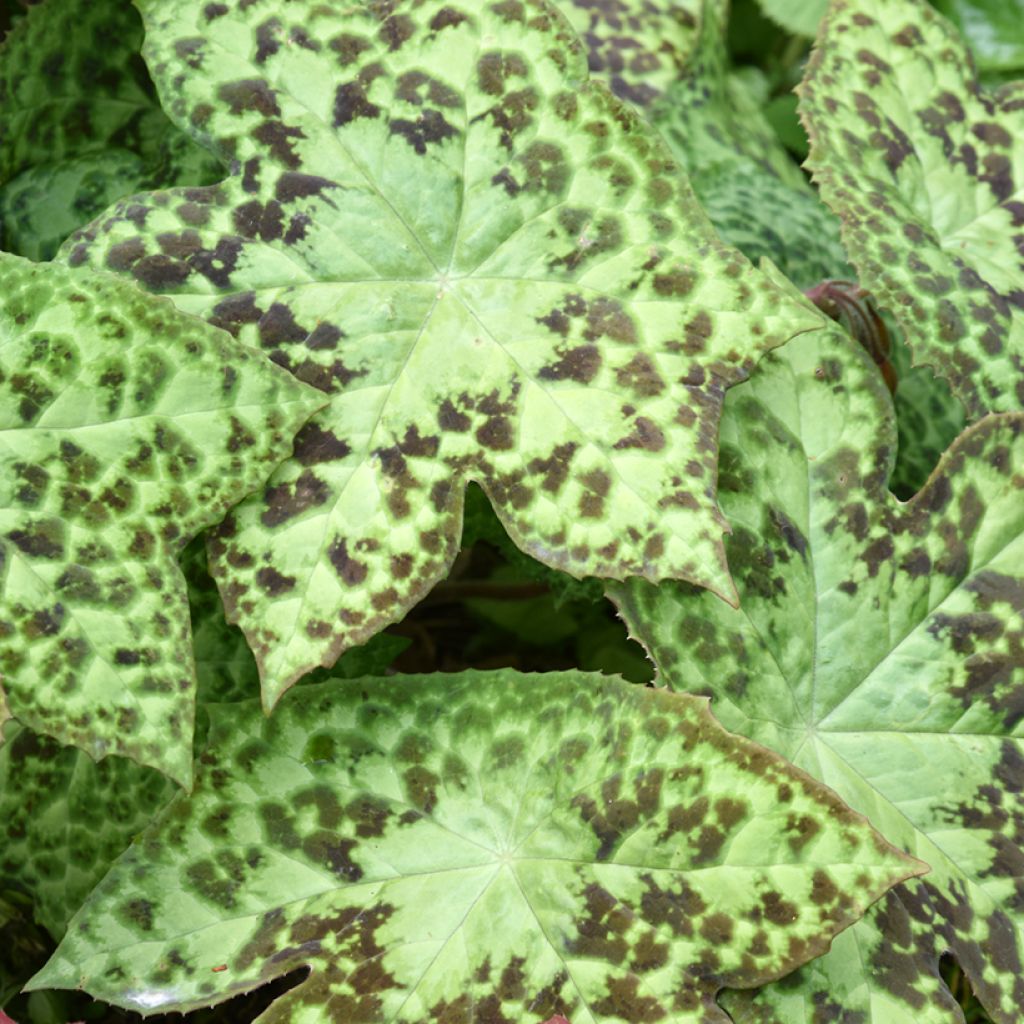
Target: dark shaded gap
pixel 953 975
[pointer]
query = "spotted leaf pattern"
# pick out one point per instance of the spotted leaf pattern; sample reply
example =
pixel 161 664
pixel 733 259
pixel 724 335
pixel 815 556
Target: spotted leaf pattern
pixel 634 856
pixel 126 428
pixel 926 171
pixel 879 646
pixel 639 47
pixel 66 819
pixel 492 267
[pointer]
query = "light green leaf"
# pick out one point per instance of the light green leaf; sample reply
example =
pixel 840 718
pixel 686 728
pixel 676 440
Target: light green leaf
pixel 925 170
pixel 105 395
pixel 801 17
pixel 488 846
pixel 878 645
pixel 993 28
pixel 748 184
pixel 638 47
pixel 66 819
pixel 489 263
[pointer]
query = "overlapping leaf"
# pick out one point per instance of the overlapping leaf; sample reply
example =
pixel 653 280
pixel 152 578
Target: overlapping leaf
pixel 750 187
pixel 927 173
pixel 126 428
pixel 81 125
pixel 880 647
pixel 480 847
pixel 491 266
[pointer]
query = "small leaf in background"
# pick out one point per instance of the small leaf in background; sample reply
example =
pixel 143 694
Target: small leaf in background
pixel 82 126
pixel 492 267
pixel 747 182
pixel 494 844
pixel 994 30
pixel 924 169
pixel 127 428
pixel 801 17
pixel 880 647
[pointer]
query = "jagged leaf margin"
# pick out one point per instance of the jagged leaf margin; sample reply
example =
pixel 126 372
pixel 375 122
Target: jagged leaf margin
pixel 489 263
pixel 926 171
pixel 634 855
pixel 127 428
pixel 878 645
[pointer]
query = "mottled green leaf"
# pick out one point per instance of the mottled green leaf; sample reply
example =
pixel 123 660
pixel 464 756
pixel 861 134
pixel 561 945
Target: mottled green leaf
pixel 993 28
pixel 489 263
pixel 879 646
pixel 925 170
pixel 639 47
pixel 81 124
pixel 65 819
pixel 126 428
pixel 483 847
pixel 754 193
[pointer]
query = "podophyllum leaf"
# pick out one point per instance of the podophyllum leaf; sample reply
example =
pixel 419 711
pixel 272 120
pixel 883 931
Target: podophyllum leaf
pixel 801 17
pixel 66 819
pixel 492 267
pixel 487 846
pixel 928 419
pixel 45 203
pixel 878 646
pixel 126 428
pixel 993 30
pixel 925 170
pixel 639 47
pixel 747 182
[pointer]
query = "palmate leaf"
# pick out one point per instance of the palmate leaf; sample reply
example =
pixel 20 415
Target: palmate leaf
pixel 925 170
pixel 878 646
pixel 492 267
pixel 484 847
pixel 126 428
pixel 65 819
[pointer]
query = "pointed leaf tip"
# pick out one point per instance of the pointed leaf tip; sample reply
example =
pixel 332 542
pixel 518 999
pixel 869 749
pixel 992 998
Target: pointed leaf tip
pixel 490 265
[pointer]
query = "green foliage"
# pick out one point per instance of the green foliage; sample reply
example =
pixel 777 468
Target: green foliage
pixel 104 395
pixel 278 746
pixel 82 127
pixel 377 830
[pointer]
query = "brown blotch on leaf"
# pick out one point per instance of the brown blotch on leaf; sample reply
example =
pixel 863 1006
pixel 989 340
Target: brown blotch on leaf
pixel 580 364
pixel 351 571
pixel 285 501
pixel 274 583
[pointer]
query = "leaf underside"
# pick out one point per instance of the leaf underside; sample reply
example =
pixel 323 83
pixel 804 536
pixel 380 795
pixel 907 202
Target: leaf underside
pixel 104 393
pixel 879 646
pixel 491 266
pixel 489 846
pixel 925 169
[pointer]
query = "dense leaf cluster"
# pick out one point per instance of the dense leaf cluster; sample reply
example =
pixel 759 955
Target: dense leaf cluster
pixel 354 356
